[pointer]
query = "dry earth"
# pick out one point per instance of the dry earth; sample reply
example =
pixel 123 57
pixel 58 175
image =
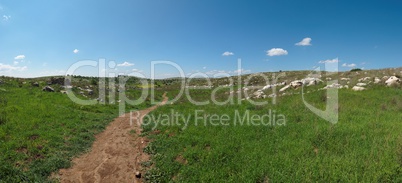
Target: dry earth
pixel 115 156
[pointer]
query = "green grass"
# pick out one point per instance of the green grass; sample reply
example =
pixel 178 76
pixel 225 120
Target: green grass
pixel 41 131
pixel 364 146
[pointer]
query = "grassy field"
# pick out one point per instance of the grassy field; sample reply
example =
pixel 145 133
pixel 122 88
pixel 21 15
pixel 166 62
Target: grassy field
pixel 281 141
pixel 41 131
pixel 364 146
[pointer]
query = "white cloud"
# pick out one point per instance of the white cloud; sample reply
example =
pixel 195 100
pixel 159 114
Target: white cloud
pixel 76 51
pixel 335 60
pixel 16 62
pixel 276 52
pixel 204 67
pixel 6 17
pixel 4 67
pixel 305 42
pixel 137 70
pixel 125 64
pixel 348 65
pixel 19 57
pixel 227 53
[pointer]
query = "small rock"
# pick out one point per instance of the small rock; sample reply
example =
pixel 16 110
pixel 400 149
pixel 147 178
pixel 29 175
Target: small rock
pixel 48 89
pixel 358 88
pixel 377 80
pixel 361 84
pixel 345 79
pixel 138 174
pixel 36 84
pixel 284 88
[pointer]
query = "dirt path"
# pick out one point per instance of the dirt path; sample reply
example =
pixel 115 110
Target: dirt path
pixel 115 155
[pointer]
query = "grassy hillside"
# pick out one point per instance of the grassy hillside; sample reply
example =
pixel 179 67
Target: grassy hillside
pixel 237 141
pixel 41 131
pixel 364 146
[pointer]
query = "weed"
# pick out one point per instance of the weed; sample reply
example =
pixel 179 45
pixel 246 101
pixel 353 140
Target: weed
pixel 155 175
pixel 146 164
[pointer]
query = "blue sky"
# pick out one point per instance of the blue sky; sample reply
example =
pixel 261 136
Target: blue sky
pixel 38 38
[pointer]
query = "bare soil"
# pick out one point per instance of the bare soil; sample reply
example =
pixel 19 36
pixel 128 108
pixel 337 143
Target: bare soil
pixel 116 154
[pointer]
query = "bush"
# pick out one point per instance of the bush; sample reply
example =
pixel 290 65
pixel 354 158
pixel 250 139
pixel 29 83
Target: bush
pixel 355 69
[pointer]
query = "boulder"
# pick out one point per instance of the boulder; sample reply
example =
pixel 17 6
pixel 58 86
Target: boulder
pixel 358 88
pixel 53 81
pixel 48 89
pixel 36 84
pixel 280 84
pixel 333 85
pixel 284 88
pixel 258 94
pixel 377 80
pixel 345 79
pixel 392 80
pixel 364 79
pixel 296 83
pixel 272 95
pixel 361 84
pixel 311 81
pixel 266 87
